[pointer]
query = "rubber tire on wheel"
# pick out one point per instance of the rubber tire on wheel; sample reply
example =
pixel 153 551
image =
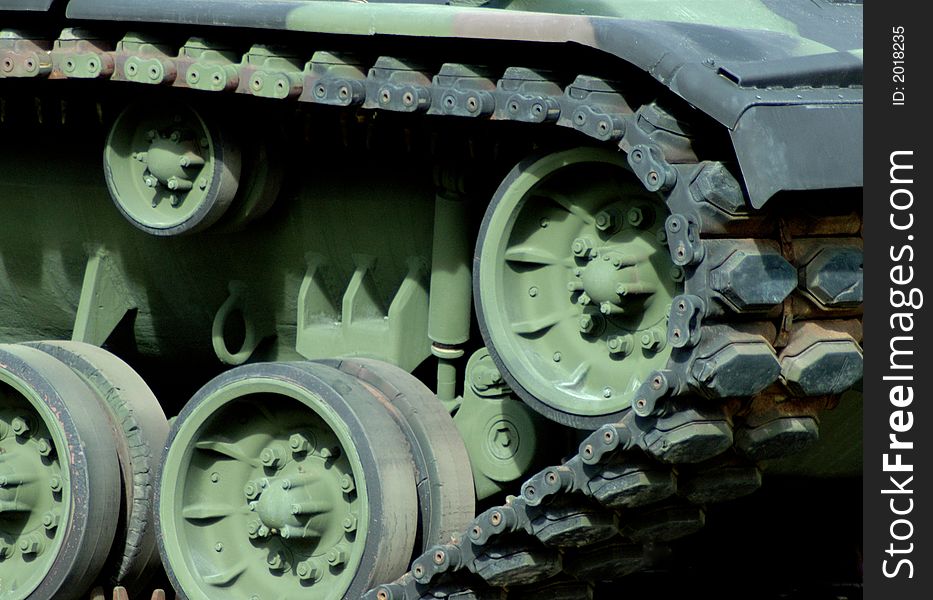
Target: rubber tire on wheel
pixel 93 471
pixel 387 479
pixel 140 429
pixel 445 480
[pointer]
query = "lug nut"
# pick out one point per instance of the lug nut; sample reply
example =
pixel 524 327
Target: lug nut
pixel 586 323
pixel 50 520
pixel 251 490
pixel 347 484
pixel 331 452
pixel 272 457
pixel 652 340
pixel 55 483
pixel 178 184
pixel 252 529
pixel 30 545
pixel 309 570
pixel 350 523
pixel 276 561
pixel 620 344
pixel 20 426
pixel 299 443
pixel 582 247
pixel 44 447
pixel 607 221
pixel 336 557
pixel 635 217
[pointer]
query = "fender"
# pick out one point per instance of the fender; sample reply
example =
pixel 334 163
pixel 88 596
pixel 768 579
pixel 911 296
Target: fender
pixel 784 76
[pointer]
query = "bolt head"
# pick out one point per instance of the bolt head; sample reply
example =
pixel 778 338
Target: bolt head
pixel 50 520
pixel 272 457
pixel 29 545
pixel 607 221
pixel 586 323
pixel 251 490
pixel 336 557
pixel 503 437
pixel 350 523
pixel 330 452
pixel 635 217
pixel 298 442
pixel 20 426
pixel 652 340
pixel 347 484
pixel 309 570
pixel 620 344
pixel 276 561
pixel 55 483
pixel 252 529
pixel 582 247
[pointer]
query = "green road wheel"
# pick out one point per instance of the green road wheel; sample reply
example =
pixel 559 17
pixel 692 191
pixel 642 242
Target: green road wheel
pixel 140 429
pixel 285 480
pixel 59 479
pixel 446 495
pixel 170 169
pixel 573 284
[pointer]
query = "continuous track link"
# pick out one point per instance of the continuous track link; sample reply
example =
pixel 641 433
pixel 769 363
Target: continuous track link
pixel 766 334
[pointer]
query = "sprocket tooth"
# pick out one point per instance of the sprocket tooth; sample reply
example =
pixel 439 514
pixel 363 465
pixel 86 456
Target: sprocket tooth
pixel 516 564
pixel 777 438
pixel 719 483
pixel 632 484
pixel 573 523
pixel 664 523
pixel 606 561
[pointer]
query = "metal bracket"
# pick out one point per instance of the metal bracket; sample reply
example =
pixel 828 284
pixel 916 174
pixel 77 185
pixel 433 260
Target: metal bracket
pixel 104 301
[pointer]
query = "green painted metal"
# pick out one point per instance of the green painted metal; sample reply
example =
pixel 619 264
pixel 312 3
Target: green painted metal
pixel 168 171
pixel 35 497
pixel 104 301
pixel 140 428
pixel 501 433
pixel 268 487
pixel 575 282
pixel 59 478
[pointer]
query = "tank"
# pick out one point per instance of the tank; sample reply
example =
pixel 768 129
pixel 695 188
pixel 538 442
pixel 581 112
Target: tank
pixel 415 299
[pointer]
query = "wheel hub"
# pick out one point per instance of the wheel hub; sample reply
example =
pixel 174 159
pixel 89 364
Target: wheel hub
pixel 174 160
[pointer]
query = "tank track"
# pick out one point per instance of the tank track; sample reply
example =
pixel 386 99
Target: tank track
pixel 766 334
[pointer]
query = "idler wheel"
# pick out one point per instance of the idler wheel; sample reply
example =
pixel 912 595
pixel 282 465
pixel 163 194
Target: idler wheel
pixel 574 284
pixel 59 479
pixel 285 480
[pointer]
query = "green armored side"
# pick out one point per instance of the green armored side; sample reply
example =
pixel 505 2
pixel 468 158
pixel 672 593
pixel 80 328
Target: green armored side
pixel 445 298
